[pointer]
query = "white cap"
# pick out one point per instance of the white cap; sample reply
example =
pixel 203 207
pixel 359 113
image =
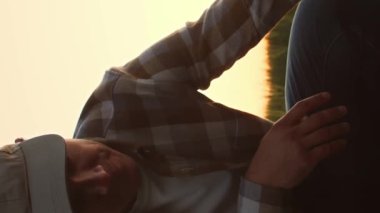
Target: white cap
pixel 33 176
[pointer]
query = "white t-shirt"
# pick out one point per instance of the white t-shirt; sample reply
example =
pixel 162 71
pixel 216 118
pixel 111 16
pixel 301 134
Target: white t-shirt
pixel 206 193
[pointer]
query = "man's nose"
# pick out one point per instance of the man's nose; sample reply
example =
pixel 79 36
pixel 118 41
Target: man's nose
pixel 92 181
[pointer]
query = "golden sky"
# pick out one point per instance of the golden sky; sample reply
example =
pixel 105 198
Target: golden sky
pixel 54 53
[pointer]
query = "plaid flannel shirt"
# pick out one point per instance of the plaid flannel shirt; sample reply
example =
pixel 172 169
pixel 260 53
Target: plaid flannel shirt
pixel 151 109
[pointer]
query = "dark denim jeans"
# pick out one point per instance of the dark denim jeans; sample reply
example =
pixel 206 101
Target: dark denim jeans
pixel 334 46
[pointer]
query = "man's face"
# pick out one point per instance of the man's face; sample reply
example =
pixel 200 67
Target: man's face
pixel 100 179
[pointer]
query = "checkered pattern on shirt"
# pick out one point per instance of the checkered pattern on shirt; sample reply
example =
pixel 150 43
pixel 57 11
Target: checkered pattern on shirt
pixel 151 109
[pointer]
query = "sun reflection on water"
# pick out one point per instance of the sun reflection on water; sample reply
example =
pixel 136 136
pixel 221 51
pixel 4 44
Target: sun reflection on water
pixel 246 85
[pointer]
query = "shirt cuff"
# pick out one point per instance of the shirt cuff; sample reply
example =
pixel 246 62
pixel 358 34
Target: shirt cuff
pixel 264 194
pixel 266 14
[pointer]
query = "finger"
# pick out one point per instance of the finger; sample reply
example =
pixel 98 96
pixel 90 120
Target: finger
pixel 325 134
pixel 325 150
pixel 305 107
pixel 320 119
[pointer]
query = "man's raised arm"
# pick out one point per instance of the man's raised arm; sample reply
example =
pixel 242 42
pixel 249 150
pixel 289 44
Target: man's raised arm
pixel 202 50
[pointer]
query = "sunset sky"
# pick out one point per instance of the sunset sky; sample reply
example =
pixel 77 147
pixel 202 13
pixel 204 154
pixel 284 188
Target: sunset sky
pixel 54 53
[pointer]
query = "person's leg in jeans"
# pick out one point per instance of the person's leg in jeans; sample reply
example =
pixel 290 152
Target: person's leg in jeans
pixel 334 47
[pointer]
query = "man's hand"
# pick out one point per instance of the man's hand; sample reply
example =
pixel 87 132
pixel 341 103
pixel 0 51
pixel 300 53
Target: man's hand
pixel 297 143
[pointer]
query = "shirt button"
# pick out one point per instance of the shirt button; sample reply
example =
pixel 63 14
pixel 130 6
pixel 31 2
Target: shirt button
pixel 145 151
pixel 186 170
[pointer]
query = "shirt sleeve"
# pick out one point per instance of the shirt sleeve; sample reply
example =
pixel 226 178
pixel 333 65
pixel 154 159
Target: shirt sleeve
pixel 255 198
pixel 202 50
